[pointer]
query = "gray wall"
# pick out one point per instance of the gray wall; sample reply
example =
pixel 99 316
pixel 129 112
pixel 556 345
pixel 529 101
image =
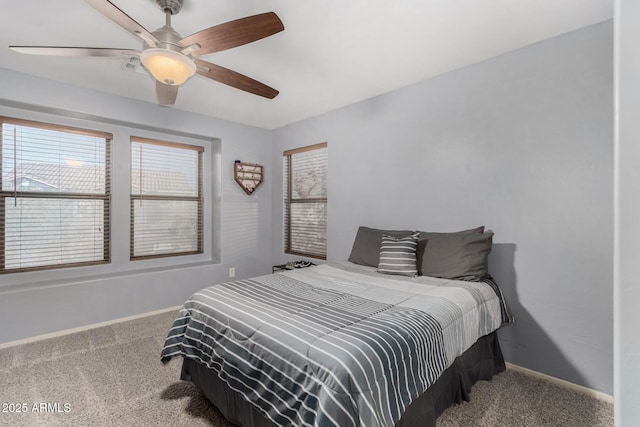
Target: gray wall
pixel 37 303
pixel 627 214
pixel 521 143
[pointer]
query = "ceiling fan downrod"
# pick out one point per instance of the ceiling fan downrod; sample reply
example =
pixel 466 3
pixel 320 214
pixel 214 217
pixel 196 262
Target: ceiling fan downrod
pixel 168 37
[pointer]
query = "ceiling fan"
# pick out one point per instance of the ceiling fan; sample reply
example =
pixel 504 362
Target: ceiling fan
pixel 172 59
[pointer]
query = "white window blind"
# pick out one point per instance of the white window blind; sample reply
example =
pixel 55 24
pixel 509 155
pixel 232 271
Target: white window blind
pixel 305 204
pixel 166 199
pixel 54 196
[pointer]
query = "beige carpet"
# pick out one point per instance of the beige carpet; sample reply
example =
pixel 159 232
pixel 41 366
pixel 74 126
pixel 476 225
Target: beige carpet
pixel 112 376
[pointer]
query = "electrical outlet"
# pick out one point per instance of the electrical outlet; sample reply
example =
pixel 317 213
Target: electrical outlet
pixel 232 272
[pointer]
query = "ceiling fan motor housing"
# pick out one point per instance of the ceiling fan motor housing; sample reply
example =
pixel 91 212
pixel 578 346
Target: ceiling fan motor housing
pixel 168 38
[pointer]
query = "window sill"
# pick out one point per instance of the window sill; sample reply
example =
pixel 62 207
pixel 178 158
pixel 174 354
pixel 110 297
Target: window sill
pixel 74 276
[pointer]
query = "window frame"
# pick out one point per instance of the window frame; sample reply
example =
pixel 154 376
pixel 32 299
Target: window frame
pixel 199 198
pixel 105 198
pixel 289 200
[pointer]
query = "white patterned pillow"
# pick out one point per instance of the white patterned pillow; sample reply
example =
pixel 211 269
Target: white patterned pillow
pixel 398 255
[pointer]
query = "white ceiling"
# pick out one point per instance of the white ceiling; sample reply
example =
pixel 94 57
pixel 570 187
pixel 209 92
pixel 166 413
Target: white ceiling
pixel 332 53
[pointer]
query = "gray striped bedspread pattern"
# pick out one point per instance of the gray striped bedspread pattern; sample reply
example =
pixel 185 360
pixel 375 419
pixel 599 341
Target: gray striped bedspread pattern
pixel 332 345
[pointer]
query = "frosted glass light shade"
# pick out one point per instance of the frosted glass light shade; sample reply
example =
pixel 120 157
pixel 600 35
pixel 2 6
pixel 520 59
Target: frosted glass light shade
pixel 166 66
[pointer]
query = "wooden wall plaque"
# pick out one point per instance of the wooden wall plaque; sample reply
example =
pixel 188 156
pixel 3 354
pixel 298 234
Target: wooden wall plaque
pixel 249 176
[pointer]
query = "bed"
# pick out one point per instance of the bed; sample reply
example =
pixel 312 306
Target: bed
pixel 339 344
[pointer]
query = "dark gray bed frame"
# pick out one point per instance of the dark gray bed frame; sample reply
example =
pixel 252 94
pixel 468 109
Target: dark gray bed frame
pixel 480 362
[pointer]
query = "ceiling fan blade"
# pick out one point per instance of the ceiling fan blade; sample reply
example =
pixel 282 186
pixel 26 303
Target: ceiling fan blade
pixel 234 33
pixel 112 12
pixel 166 94
pixel 74 51
pixel 234 79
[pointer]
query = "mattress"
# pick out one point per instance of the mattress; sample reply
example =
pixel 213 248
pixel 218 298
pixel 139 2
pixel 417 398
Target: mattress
pixel 336 344
pixel 480 362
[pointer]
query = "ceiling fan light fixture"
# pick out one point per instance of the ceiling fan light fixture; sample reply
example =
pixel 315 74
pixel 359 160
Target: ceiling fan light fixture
pixel 168 67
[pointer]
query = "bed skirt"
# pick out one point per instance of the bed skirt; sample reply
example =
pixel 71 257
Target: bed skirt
pixel 480 362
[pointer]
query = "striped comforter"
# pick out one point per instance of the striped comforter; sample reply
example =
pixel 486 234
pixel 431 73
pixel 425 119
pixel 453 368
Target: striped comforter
pixel 335 344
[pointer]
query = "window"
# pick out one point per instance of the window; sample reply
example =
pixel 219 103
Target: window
pixel 305 204
pixel 54 196
pixel 166 199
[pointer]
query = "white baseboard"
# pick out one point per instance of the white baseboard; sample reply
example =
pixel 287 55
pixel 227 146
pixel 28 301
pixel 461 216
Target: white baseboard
pixel 86 327
pixel 562 383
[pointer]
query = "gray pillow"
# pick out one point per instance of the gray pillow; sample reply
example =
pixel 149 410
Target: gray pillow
pixel 462 255
pixel 398 255
pixel 366 246
pixel 441 242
